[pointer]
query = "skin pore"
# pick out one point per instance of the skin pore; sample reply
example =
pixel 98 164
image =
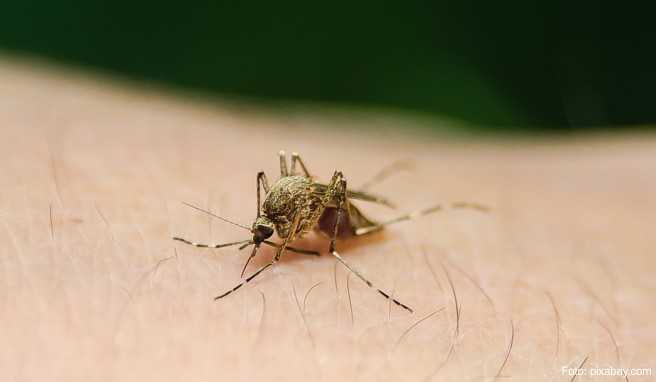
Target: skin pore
pixel 559 273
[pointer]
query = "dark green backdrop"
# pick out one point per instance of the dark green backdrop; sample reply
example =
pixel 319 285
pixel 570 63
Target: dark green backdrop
pixel 546 64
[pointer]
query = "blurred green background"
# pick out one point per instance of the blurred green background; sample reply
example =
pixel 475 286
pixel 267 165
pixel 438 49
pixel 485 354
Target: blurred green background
pixel 521 64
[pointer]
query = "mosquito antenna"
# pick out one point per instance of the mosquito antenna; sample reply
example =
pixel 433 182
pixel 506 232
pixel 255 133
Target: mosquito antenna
pixel 215 215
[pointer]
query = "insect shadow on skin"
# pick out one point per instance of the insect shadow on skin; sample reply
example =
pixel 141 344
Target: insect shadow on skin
pixel 297 204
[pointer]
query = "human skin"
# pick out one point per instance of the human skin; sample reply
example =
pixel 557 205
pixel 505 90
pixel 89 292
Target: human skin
pixel 559 272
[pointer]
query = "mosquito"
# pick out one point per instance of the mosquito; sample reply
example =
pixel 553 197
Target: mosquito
pixel 297 204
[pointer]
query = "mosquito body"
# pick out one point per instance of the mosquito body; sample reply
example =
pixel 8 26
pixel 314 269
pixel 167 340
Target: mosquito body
pixel 297 204
pixel 291 196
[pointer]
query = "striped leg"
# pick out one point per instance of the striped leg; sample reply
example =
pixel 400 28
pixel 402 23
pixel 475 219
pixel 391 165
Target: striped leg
pixel 279 253
pixel 246 243
pixel 340 182
pixel 201 245
pixel 294 249
pixel 261 181
pixel 413 215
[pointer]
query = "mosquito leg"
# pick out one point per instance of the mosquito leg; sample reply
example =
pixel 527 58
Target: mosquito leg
pixel 276 258
pixel 297 158
pixel 386 172
pixel 200 245
pixel 361 277
pixel 294 249
pixel 338 188
pixel 289 248
pixel 261 180
pixel 248 279
pixel 264 182
pixel 283 164
pixel 339 183
pixel 413 215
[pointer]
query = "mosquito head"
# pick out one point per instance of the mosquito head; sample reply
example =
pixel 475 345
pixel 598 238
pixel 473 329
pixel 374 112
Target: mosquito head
pixel 262 229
